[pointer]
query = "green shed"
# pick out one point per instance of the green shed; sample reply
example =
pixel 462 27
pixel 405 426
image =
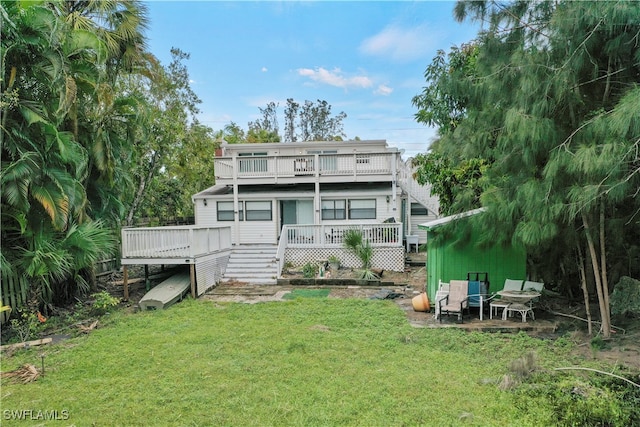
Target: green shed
pixel 449 259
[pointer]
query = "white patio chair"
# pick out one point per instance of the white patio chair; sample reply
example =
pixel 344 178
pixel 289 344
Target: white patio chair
pixel 497 302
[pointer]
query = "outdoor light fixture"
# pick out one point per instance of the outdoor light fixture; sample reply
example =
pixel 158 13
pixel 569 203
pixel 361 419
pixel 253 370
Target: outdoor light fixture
pixel 387 199
pixel 204 201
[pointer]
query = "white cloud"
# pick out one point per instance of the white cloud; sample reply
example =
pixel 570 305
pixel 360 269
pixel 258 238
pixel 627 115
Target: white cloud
pixel 383 90
pixel 400 44
pixel 264 69
pixel 335 77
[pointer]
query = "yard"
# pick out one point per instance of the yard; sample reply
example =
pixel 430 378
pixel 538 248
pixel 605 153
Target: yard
pixel 310 361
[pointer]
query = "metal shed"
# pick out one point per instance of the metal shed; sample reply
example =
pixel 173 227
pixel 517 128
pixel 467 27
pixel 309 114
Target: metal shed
pixel 449 259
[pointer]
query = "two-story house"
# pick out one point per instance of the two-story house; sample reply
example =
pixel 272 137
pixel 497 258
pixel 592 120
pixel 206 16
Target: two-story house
pixel 291 202
pixel 262 187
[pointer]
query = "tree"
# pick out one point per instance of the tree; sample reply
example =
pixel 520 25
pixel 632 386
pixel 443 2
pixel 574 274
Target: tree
pixel 265 129
pixel 551 102
pixel 53 71
pixel 312 122
pixel 171 106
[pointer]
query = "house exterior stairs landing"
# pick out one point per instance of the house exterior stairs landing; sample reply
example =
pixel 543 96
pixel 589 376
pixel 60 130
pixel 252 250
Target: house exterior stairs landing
pixel 254 264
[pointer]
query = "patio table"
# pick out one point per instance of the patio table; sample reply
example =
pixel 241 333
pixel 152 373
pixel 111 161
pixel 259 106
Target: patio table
pixel 519 298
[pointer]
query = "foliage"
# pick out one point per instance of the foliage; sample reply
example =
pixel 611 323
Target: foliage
pixel 25 325
pixel 548 107
pixel 103 302
pixel 274 370
pixel 625 298
pixel 354 241
pixel 65 133
pixel 460 183
pixel 309 270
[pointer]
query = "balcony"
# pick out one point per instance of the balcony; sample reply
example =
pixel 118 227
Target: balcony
pixel 306 168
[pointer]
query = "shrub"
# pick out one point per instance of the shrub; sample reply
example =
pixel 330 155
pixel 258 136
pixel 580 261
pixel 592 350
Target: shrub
pixel 309 270
pixel 104 302
pixel 625 298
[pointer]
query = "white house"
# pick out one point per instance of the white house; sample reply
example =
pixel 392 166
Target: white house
pixel 291 202
pixel 262 187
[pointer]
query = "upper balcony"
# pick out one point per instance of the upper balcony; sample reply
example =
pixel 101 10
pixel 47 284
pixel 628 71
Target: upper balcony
pixel 353 167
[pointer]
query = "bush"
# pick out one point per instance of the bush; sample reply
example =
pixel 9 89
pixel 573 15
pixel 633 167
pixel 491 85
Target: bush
pixel 625 298
pixel 104 302
pixel 309 270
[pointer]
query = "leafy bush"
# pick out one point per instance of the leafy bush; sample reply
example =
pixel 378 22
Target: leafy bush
pixel 309 270
pixel 625 298
pixel 104 302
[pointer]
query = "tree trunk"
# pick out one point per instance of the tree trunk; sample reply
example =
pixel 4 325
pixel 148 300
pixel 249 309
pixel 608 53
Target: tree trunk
pixel 585 291
pixel 142 186
pixel 604 311
pixel 603 262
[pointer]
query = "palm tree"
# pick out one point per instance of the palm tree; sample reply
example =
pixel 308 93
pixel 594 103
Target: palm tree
pixel 55 68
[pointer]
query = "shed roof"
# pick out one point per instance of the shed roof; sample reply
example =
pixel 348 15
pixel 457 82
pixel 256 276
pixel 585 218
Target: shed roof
pixel 447 219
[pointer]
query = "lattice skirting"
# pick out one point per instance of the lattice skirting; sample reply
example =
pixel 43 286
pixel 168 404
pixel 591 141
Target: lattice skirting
pixel 391 259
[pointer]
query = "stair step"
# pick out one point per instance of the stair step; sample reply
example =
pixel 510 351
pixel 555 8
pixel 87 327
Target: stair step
pixel 252 264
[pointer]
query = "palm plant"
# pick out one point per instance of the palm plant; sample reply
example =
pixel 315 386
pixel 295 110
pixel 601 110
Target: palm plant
pixel 354 241
pixel 53 70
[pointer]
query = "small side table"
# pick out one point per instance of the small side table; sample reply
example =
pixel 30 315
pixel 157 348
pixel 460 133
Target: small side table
pixel 411 240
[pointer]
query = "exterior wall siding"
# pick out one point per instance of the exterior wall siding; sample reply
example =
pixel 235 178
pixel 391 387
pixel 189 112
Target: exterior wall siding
pixel 447 261
pixel 258 232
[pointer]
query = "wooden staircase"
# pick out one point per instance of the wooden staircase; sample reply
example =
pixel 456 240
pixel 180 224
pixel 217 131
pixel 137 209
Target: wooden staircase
pixel 255 264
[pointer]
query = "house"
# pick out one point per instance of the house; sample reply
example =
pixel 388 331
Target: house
pixel 451 258
pixel 292 202
pixel 262 187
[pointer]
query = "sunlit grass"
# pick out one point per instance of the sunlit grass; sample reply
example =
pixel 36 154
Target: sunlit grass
pixel 304 362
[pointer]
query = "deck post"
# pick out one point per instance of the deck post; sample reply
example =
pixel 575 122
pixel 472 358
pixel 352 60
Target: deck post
pixel 125 282
pixel 192 271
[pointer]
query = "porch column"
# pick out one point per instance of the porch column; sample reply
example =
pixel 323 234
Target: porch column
pixel 125 282
pixel 394 174
pixel 192 278
pixel 316 199
pixel 316 204
pixel 236 211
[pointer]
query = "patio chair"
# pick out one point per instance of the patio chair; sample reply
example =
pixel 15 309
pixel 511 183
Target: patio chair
pixel 496 301
pixel 441 293
pixel 457 300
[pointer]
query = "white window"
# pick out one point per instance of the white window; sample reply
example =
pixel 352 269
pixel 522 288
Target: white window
pixel 258 211
pixel 362 209
pixel 418 209
pixel 225 211
pixel 334 209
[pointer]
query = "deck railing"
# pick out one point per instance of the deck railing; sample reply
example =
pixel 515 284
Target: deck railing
pixel 305 165
pixel 331 236
pixel 174 242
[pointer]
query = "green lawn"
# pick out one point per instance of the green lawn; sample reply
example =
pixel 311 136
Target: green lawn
pixel 304 362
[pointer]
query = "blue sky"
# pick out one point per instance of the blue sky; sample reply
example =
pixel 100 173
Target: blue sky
pixel 364 58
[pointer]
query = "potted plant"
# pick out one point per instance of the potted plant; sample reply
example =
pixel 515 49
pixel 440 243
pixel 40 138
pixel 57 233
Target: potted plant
pixel 334 262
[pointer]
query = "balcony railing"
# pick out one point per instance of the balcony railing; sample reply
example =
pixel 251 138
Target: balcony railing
pixel 174 242
pixel 332 236
pixel 378 234
pixel 305 165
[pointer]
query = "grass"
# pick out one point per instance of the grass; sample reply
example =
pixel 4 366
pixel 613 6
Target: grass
pixel 307 362
pixel 307 293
